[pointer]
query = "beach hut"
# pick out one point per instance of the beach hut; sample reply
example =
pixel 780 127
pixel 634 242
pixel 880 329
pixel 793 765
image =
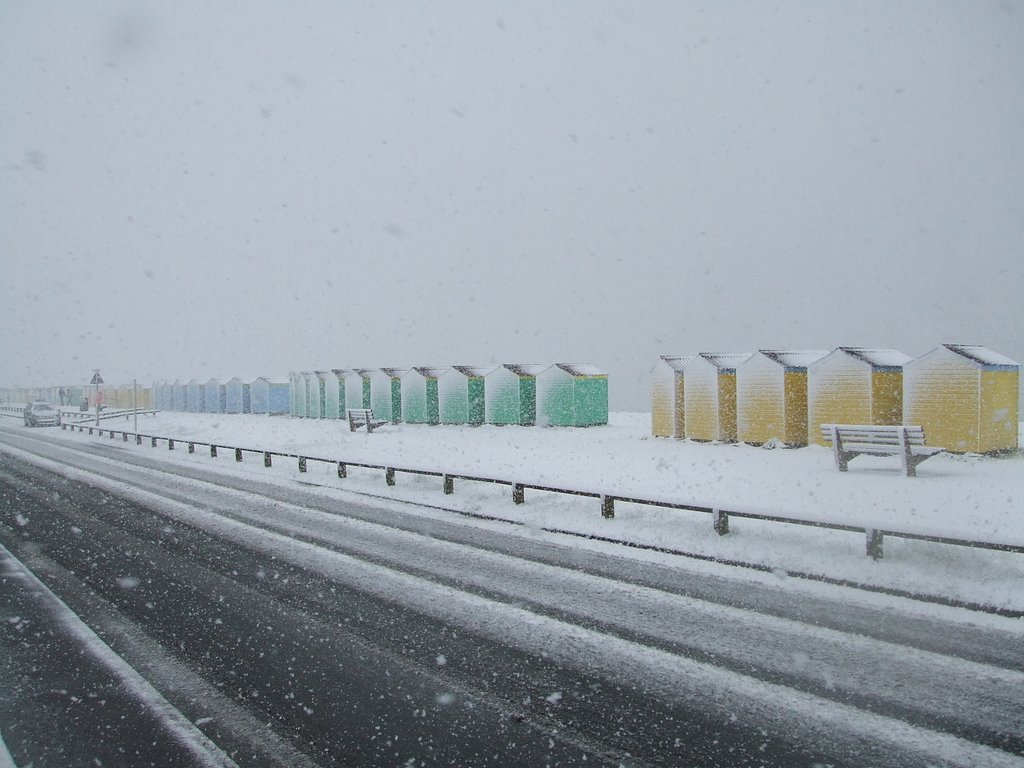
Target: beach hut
pixel 855 385
pixel 270 395
pixel 965 396
pixel 460 391
pixel 237 396
pixel 357 388
pixel 710 406
pixel 179 396
pixel 158 395
pixel 293 394
pixel 342 395
pixel 330 395
pixel 215 396
pixel 668 415
pixel 420 403
pixel 312 395
pixel 196 396
pixel 388 395
pixel 394 386
pixel 572 395
pixel 510 394
pixel 771 396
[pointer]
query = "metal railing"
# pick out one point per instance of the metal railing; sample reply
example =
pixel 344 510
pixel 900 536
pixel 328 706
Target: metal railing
pixel 874 537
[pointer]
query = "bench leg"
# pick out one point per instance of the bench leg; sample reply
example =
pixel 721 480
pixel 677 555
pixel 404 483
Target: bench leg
pixel 909 464
pixel 838 453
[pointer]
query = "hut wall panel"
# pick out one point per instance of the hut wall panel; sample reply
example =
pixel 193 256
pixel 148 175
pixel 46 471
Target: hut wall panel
pixel 332 406
pixel 591 401
pixel 727 407
pixel 887 397
pixel 502 397
pixel 942 396
pixel 795 405
pixel 453 398
pixel 760 407
pixel 663 400
pixel 414 398
pixel 1000 404
pixel 555 398
pixel 701 406
pixel 839 392
pixel 381 400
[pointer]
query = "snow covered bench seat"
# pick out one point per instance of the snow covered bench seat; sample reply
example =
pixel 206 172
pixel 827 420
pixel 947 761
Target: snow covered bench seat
pixel 362 417
pixel 851 440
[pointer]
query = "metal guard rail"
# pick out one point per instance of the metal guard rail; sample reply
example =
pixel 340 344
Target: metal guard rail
pixel 874 537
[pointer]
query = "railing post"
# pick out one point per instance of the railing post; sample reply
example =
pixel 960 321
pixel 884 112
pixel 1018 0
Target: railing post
pixel 138 439
pixel 607 507
pixel 63 427
pixel 238 454
pixel 191 447
pixel 213 451
pixel 342 470
pixel 267 460
pixel 170 445
pixel 302 463
pixel 720 520
pixel 111 434
pixel 449 485
pixel 874 543
pixel 124 437
pixel 90 430
pixel 153 442
pixel 389 476
pixel 518 493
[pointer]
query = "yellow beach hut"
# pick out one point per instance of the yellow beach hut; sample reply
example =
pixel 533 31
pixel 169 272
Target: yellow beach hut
pixel 771 396
pixel 710 404
pixel 854 385
pixel 668 416
pixel 965 396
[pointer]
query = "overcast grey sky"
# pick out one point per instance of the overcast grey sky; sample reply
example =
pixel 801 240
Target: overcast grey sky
pixel 246 188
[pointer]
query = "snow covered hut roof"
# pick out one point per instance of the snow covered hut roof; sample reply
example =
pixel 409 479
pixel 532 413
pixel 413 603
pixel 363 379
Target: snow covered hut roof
pixel 677 363
pixel 525 369
pixel 474 371
pixel 878 358
pixel 395 373
pixel 581 369
pixel 725 361
pixel 981 355
pixel 430 371
pixel 789 358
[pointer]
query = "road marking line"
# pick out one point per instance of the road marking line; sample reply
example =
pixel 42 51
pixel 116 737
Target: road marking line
pixel 206 752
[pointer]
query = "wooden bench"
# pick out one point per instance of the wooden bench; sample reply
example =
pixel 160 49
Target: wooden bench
pixel 851 440
pixel 362 417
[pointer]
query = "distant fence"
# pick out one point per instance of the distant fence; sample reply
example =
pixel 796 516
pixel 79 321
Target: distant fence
pixel 874 537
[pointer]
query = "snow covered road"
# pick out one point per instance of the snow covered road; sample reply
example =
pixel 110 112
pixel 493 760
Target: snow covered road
pixel 698 662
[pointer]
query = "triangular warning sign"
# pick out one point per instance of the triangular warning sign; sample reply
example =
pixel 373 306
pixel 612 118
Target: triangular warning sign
pixel 96 378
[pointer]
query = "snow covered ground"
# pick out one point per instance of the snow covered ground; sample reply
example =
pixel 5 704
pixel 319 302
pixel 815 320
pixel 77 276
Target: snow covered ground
pixel 968 497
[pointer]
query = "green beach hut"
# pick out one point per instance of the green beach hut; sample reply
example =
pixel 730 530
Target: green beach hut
pixel 572 395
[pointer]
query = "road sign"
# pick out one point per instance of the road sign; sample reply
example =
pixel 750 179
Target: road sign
pixel 96 378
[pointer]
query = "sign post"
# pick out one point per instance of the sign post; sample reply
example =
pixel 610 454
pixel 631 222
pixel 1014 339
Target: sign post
pixel 96 381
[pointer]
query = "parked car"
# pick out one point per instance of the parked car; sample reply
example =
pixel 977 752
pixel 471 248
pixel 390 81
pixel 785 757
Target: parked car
pixel 40 414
